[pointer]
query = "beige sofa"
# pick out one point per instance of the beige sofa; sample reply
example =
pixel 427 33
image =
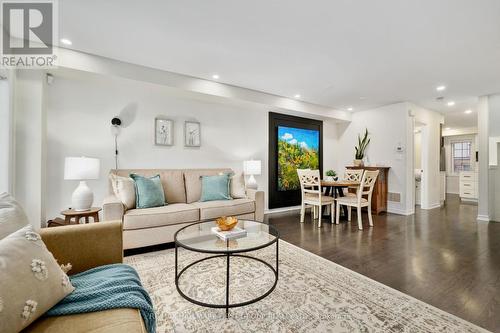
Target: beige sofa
pixel 151 226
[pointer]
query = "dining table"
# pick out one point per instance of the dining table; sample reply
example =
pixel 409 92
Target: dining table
pixel 335 188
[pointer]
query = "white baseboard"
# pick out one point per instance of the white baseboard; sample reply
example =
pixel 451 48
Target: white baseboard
pixel 432 206
pixel 399 211
pixel 281 210
pixel 484 218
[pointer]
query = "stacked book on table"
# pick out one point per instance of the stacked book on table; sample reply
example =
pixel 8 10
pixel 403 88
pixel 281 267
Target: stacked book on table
pixel 230 234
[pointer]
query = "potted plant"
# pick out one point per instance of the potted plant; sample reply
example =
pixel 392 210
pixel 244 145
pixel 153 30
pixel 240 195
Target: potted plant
pixel 331 176
pixel 361 148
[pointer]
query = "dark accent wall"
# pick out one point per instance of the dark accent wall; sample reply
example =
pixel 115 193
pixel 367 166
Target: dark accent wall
pixel 278 199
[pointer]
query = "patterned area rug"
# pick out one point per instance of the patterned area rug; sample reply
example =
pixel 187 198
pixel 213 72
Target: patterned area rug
pixel 313 295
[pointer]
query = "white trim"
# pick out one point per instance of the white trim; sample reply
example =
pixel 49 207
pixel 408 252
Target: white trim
pixel 400 211
pixel 468 200
pixel 281 210
pixel 484 218
pixel 432 206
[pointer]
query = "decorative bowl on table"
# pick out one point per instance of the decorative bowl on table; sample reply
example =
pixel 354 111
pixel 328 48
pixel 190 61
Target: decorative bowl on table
pixel 226 223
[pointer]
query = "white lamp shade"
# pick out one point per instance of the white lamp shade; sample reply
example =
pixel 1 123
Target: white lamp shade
pixel 252 167
pixel 81 168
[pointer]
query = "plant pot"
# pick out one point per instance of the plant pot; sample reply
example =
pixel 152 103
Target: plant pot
pixel 329 178
pixel 358 163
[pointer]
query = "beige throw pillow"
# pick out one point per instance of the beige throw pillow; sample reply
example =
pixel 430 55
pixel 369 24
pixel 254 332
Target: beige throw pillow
pixel 124 189
pixel 31 280
pixel 237 186
pixel 12 216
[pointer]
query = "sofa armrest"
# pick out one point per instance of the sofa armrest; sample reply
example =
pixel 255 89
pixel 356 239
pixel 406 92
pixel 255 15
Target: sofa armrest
pixel 85 246
pixel 258 197
pixel 112 209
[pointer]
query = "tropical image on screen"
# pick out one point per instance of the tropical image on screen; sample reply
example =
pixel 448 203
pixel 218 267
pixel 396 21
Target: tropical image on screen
pixel 297 149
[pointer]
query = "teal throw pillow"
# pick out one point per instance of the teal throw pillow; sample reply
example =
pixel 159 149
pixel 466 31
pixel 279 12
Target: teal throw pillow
pixel 215 188
pixel 148 191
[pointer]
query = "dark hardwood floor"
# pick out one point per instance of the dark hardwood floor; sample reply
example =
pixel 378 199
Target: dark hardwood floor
pixel 441 256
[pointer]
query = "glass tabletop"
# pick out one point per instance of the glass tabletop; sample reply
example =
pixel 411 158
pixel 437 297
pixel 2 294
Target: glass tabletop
pixel 199 237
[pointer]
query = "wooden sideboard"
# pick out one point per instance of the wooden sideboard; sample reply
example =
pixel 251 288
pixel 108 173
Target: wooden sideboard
pixel 380 190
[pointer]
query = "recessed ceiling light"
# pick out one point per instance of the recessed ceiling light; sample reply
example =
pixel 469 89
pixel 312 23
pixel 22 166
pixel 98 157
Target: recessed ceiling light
pixel 350 108
pixel 215 76
pixel 297 96
pixel 468 111
pixel 450 103
pixel 66 41
pixel 441 88
pixel 448 128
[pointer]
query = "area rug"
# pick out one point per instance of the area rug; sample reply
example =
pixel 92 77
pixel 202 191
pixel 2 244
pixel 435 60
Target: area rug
pixel 312 295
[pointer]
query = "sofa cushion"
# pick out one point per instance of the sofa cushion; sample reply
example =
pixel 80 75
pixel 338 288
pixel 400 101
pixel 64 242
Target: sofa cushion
pixel 193 182
pixel 124 189
pixel 12 215
pixel 148 191
pixel 238 190
pixel 171 180
pixel 109 321
pixel 31 280
pixel 215 209
pixel 160 216
pixel 215 187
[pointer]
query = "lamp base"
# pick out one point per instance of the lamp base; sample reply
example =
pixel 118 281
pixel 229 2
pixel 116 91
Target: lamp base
pixel 82 198
pixel 252 183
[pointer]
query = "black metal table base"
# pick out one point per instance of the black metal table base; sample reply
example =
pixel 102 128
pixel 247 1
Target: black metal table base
pixel 228 256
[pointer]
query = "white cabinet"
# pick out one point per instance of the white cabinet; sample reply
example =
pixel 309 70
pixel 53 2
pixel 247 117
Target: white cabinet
pixel 468 185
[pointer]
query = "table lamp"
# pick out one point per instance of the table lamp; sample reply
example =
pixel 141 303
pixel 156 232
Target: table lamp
pixel 82 169
pixel 252 168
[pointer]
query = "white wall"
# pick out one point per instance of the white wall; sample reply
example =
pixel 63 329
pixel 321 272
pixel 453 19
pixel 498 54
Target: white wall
pixel 485 200
pixel 418 150
pixel 494 172
pixel 387 127
pixel 30 145
pixel 6 130
pixel 80 108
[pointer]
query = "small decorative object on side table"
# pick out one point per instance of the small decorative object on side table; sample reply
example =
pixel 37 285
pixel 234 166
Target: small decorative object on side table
pixel 77 215
pixel 82 169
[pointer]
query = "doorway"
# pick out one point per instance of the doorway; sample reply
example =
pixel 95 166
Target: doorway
pixel 418 165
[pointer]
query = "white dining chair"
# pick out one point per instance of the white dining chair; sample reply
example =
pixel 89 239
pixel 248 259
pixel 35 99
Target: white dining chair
pixel 359 201
pixel 355 176
pixel 312 195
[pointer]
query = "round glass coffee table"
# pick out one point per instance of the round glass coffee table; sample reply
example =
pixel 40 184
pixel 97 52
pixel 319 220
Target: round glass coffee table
pixel 198 237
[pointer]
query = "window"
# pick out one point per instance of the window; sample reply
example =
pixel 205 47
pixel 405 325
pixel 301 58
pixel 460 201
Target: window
pixel 461 156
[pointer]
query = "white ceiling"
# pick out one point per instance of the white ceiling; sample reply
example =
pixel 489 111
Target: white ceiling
pixel 337 53
pixel 459 119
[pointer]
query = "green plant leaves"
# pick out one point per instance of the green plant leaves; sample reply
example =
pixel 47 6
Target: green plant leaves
pixel 362 145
